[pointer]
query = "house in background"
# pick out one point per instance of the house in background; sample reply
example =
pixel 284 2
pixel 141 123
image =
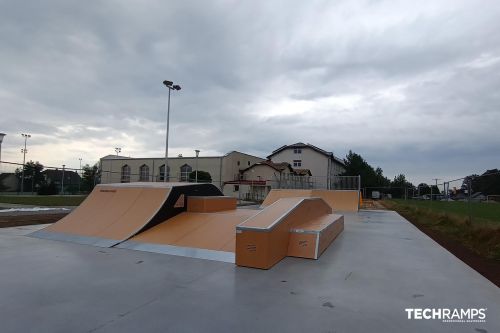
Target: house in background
pixel 9 182
pixel 257 180
pixel 322 164
pixel 71 180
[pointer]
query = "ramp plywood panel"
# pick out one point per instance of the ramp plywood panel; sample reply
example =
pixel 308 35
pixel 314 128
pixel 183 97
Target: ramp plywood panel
pixel 310 239
pixel 262 240
pixel 98 216
pixel 212 231
pixel 276 194
pixel 339 200
pixel 210 204
pixel 142 210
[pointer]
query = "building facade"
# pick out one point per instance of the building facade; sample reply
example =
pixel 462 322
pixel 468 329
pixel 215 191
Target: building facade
pixel 120 169
pixel 257 180
pixel 322 164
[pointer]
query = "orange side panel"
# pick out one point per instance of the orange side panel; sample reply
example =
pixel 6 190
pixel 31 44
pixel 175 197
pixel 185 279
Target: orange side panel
pixel 210 204
pixel 302 245
pixel 272 225
pixel 328 235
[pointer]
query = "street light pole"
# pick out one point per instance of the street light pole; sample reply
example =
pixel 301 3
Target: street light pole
pixel 62 180
pixel 1 140
pixel 170 85
pixel 196 173
pixel 24 151
pixel 80 180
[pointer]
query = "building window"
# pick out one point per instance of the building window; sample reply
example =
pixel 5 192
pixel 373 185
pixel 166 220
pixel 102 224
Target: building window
pixel 238 163
pixel 297 163
pixel 162 173
pixel 236 188
pixel 125 177
pixel 248 163
pixel 144 173
pixel 185 171
pixel 297 150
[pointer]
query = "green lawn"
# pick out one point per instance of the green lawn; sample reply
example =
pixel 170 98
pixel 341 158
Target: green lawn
pixel 451 220
pixel 479 210
pixel 44 200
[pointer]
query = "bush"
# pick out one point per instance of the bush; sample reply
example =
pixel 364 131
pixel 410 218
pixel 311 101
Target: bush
pixel 47 189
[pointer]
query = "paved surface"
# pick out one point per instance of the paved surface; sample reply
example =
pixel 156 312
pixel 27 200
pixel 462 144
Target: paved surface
pixel 379 266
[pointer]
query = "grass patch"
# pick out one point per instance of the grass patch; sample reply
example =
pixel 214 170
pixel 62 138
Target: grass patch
pixel 44 200
pixel 451 219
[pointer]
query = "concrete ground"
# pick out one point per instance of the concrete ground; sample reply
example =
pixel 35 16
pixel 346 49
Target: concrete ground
pixel 380 265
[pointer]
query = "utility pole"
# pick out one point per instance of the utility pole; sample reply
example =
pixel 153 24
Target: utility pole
pixel 81 174
pixel 24 151
pixel 196 172
pixel 62 180
pixel 1 140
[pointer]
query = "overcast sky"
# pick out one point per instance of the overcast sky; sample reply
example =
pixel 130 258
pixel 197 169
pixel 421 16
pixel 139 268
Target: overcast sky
pixel 412 86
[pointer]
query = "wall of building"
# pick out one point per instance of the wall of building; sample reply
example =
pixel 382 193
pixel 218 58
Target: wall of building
pixel 223 168
pixel 311 159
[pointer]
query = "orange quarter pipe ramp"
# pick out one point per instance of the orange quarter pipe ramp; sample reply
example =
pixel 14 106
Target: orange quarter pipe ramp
pixel 339 200
pixel 113 213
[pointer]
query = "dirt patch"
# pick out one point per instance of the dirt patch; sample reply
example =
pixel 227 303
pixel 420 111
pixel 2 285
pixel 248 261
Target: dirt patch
pixel 372 204
pixel 487 267
pixel 7 221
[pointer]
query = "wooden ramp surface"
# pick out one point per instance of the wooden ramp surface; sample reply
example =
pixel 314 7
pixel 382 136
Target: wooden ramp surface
pixel 339 200
pixel 115 212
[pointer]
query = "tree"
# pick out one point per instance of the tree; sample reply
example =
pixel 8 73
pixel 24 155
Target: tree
pixel 488 183
pixel 203 177
pixel 33 177
pixel 89 177
pixel 356 165
pixel 400 185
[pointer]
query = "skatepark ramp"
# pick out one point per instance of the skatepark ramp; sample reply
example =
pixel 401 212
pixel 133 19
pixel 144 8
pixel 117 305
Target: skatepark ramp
pixel 301 227
pixel 196 220
pixel 113 213
pixel 339 200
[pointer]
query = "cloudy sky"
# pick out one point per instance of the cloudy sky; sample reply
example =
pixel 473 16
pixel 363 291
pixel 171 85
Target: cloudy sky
pixel 412 86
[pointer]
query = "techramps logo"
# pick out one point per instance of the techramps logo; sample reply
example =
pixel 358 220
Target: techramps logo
pixel 447 315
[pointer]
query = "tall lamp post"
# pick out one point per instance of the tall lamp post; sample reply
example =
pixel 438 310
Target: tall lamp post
pixel 1 139
pixel 196 172
pixel 110 173
pixel 62 180
pixel 171 86
pixel 80 180
pixel 24 151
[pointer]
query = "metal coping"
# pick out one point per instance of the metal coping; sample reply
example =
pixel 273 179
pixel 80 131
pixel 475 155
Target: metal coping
pixel 181 251
pixel 84 240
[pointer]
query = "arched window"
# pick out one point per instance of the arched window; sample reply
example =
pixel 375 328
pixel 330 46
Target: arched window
pixel 162 173
pixel 125 177
pixel 144 173
pixel 185 171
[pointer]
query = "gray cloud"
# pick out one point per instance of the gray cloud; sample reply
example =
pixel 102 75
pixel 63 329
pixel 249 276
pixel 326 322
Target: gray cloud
pixel 413 87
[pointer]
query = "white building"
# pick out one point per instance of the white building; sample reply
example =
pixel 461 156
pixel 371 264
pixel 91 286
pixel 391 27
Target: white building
pixel 120 169
pixel 257 180
pixel 236 174
pixel 322 164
